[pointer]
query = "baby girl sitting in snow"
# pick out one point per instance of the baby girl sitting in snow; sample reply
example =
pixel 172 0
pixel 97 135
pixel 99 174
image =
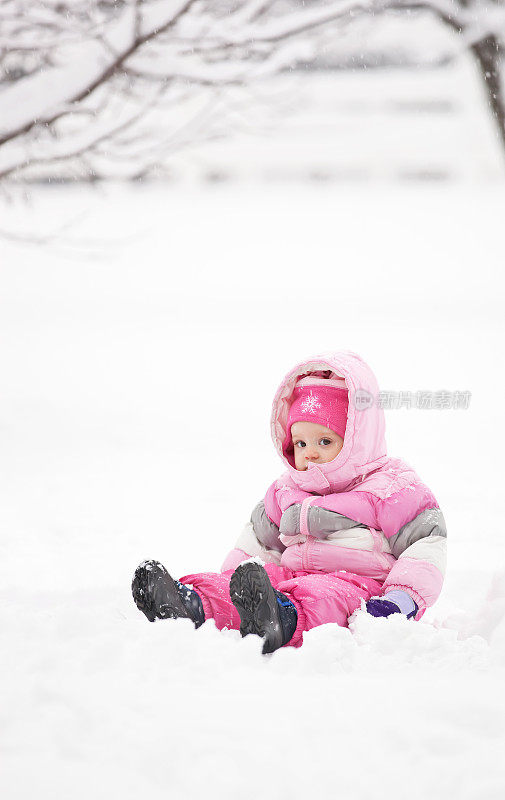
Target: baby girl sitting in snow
pixel 344 524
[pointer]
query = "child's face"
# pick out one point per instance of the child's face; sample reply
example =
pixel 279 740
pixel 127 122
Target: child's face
pixel 314 442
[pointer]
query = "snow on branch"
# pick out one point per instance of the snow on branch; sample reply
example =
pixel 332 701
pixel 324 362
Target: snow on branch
pixel 77 73
pixel 80 48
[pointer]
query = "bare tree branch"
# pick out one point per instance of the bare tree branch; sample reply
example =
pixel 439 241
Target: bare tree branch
pixel 81 79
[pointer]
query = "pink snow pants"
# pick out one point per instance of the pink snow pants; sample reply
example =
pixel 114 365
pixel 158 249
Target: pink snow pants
pixel 318 597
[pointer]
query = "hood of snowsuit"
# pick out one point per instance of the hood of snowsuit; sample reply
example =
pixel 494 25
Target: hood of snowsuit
pixel 364 448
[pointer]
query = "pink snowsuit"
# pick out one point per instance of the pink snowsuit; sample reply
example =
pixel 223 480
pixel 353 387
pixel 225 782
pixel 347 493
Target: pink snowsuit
pixel 340 532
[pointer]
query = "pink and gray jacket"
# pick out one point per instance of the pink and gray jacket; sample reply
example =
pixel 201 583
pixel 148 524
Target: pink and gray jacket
pixel 364 512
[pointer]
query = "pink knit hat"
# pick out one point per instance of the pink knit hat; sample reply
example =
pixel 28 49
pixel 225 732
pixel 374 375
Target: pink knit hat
pixel 318 400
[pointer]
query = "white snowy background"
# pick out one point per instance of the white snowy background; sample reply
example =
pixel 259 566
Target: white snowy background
pixel 143 332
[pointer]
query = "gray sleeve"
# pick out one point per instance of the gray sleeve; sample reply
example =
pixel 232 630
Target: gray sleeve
pixel 266 531
pixel 429 522
pixel 322 523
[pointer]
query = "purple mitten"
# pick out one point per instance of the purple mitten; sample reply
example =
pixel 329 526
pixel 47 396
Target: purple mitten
pixel 378 607
pixel 394 602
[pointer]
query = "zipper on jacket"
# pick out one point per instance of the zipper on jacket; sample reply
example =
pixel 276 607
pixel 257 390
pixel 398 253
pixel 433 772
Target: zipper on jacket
pixel 305 556
pixel 304 529
pixel 304 515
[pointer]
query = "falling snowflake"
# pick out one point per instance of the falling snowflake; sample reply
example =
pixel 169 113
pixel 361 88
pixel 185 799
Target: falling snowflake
pixel 311 404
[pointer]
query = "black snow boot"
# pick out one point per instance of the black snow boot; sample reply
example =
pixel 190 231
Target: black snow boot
pixel 159 596
pixel 263 610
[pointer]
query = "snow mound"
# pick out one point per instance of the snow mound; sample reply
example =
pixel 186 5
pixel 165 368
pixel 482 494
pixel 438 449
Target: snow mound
pixel 488 622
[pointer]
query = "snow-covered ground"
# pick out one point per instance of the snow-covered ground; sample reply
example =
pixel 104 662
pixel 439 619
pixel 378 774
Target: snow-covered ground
pixel 127 366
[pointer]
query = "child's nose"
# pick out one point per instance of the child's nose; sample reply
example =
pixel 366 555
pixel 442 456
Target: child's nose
pixel 312 455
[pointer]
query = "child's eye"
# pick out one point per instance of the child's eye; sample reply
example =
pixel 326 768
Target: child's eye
pixel 324 442
pixel 300 444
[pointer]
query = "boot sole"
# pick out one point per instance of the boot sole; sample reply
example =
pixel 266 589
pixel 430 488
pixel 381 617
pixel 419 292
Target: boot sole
pixel 253 596
pixel 155 593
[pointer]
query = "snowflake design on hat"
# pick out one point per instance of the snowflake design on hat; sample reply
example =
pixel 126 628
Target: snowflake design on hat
pixel 310 404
